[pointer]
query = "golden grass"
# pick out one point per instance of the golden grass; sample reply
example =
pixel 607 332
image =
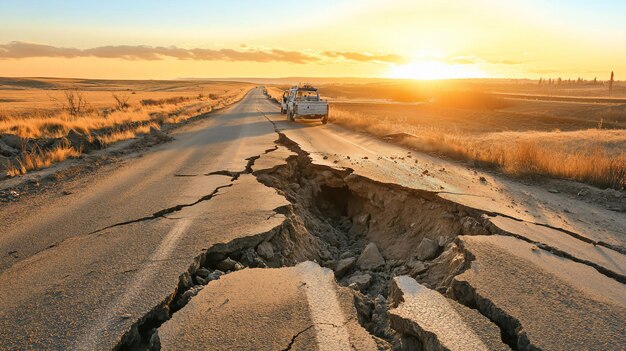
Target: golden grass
pixel 60 124
pixel 57 124
pixel 275 92
pixel 592 156
pixel 39 159
pixel 43 120
pixel 126 134
pixel 99 93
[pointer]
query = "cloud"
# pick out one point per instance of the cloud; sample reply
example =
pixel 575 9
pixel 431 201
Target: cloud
pixel 361 57
pixel 472 60
pixel 21 50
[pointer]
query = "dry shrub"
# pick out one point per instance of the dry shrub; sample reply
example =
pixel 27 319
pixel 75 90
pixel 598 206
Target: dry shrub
pixel 126 134
pixel 116 136
pixel 58 125
pixel 62 123
pixel 121 100
pixel 73 102
pixel 39 159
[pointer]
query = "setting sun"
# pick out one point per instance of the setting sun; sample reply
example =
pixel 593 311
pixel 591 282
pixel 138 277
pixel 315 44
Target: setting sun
pixel 430 70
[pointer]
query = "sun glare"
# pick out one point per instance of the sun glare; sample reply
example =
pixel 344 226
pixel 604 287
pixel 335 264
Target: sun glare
pixel 431 70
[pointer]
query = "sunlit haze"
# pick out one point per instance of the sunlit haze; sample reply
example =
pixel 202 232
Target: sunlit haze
pixel 392 39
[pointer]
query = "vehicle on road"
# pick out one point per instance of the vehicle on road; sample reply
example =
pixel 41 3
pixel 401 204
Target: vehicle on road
pixel 284 99
pixel 304 101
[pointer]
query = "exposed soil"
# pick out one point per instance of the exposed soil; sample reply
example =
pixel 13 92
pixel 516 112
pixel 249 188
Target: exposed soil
pixel 333 216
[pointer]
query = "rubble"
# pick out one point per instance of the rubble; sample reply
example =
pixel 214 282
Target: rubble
pixel 344 266
pixel 427 249
pixel 370 258
pixel 335 215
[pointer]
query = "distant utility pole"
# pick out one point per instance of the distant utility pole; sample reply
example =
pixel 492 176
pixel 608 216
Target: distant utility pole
pixel 611 83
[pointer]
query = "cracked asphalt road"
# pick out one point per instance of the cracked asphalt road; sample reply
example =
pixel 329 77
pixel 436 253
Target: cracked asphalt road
pixel 89 265
pixel 80 271
pixel 300 307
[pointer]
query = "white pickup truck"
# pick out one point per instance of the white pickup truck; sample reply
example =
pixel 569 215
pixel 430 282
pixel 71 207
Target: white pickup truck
pixel 304 102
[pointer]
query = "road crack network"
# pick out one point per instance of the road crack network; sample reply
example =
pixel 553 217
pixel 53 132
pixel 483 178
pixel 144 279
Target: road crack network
pixel 166 211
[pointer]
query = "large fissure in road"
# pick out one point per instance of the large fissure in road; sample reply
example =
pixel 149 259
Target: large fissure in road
pixel 366 231
pixel 353 219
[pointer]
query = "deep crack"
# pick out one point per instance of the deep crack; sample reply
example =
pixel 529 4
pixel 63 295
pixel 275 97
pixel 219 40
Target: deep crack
pixel 334 213
pixel 561 253
pixel 565 231
pixel 247 170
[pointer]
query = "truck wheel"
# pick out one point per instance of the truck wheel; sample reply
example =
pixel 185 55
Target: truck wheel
pixel 325 119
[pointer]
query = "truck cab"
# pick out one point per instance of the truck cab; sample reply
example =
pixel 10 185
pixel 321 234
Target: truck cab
pixel 304 102
pixel 284 100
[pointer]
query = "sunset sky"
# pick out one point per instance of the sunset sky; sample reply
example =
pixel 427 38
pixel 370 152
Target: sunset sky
pixel 393 38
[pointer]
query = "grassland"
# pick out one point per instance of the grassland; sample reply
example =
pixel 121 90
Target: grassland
pixel 422 91
pixel 468 120
pixel 38 110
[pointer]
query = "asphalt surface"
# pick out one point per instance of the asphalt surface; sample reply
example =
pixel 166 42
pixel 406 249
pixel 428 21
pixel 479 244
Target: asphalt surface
pixel 566 305
pixel 76 285
pixel 442 323
pixel 300 307
pixel 78 271
pixel 388 163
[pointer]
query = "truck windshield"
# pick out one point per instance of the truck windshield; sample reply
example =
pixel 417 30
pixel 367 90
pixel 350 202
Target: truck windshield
pixel 307 95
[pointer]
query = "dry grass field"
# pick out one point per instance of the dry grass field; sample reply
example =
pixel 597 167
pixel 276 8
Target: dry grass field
pixel 421 91
pixel 103 111
pixel 583 141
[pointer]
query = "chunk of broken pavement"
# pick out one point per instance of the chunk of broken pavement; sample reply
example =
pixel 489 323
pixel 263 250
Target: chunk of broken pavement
pixel 362 281
pixel 418 268
pixel 344 266
pixel 472 226
pixel 427 249
pixel 265 250
pixel 187 295
pixel 345 255
pixel 443 240
pixel 229 265
pixel 215 275
pixel 203 272
pixel 440 323
pixel 370 258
